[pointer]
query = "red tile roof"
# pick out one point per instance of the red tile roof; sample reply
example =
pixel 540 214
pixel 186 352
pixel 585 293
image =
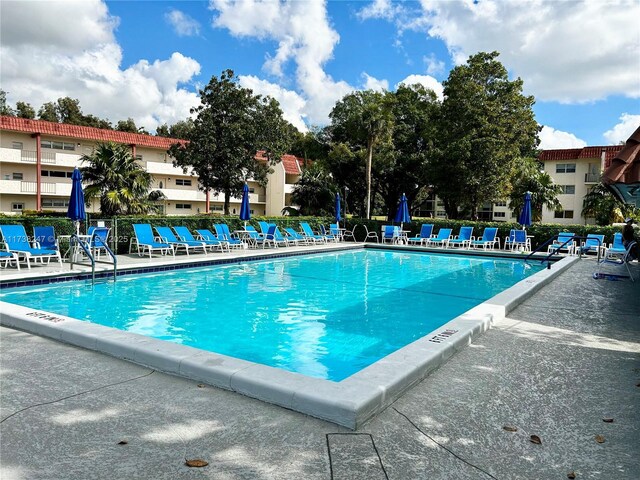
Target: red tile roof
pixel 625 166
pixel 577 153
pixel 88 133
pixel 291 163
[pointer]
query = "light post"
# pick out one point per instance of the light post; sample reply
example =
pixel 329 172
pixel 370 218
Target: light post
pixel 346 191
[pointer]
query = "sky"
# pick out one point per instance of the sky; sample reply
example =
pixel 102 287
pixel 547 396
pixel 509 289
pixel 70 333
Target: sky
pixel 147 60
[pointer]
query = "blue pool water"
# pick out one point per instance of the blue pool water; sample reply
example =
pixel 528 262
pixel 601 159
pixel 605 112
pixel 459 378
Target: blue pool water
pixel 325 315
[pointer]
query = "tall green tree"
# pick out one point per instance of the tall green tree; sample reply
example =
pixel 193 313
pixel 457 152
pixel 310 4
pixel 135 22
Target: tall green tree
pixel 48 112
pixel 24 110
pixel 315 191
pixel 530 177
pixel 128 125
pixel 115 178
pixel 363 119
pixel 5 109
pixel 179 129
pixel 231 125
pixel 486 125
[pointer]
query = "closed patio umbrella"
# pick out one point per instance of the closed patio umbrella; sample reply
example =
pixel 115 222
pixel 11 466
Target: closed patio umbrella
pixel 76 211
pixel 525 215
pixel 245 213
pixel 402 214
pixel 338 216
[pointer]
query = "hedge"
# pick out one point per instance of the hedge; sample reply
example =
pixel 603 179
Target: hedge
pixel 122 230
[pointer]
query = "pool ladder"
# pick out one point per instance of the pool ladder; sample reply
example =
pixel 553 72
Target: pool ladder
pixel 75 241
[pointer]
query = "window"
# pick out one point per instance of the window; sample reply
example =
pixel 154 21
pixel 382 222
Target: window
pixel 16 145
pixel 568 189
pixel 183 182
pixel 183 206
pixel 565 168
pixel 56 173
pixel 55 203
pixel 252 190
pixel 499 214
pixel 216 208
pixel 17 207
pixel 57 145
pixel 501 203
pixel 251 212
pixel 16 176
pixel 563 214
pixel 139 157
pixel 441 213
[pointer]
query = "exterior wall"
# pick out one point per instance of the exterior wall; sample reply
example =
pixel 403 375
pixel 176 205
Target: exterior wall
pixel 18 178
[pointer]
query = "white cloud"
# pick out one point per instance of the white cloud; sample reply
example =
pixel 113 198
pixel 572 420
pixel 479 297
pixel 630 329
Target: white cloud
pixel 183 24
pixel 304 36
pixel 291 103
pixel 576 51
pixel 425 80
pixel 434 66
pixel 623 130
pixel 44 65
pixel 551 139
pixel 378 9
pixel 372 83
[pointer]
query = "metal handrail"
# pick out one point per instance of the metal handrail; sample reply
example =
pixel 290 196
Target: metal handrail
pixel 557 249
pixel 91 257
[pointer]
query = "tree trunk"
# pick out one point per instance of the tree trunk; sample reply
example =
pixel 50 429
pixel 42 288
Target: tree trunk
pixel 369 157
pixel 227 201
pixel 451 208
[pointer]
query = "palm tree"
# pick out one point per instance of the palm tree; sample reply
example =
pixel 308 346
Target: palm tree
pixel 114 176
pixel 530 178
pixel 315 191
pixel 600 204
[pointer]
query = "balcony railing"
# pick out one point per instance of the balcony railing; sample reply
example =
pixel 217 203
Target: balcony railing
pixel 30 187
pixel 591 178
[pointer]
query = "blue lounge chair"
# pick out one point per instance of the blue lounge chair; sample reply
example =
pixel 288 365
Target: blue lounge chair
pixel 98 240
pixel 264 227
pixel 463 239
pixel 617 246
pixel 328 235
pixel 17 242
pixel 488 240
pixel 425 234
pixel 252 236
pixel 45 237
pixel 224 235
pixel 310 235
pixel 564 242
pixel 391 234
pixel 169 237
pixel 144 240
pixel 296 236
pixel 593 243
pixel 7 257
pixel 205 235
pixel 614 256
pixel 442 239
pixel 185 235
pixel 516 240
pixel 274 237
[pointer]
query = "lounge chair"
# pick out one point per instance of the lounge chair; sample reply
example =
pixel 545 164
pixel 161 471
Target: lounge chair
pixel 274 237
pixel 185 235
pixel 617 246
pixel 391 234
pixel 224 235
pixel 145 241
pixel 252 236
pixel 338 232
pixel 426 230
pixel 442 239
pixel 310 235
pixel 17 242
pixel 7 257
pixel 517 239
pixel 614 256
pixel 264 227
pixel 463 239
pixel 45 237
pixel 564 242
pixel 488 240
pixel 169 237
pixel 296 236
pixel 98 240
pixel 328 235
pixel 594 243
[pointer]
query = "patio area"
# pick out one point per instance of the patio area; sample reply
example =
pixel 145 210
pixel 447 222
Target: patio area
pixel 562 362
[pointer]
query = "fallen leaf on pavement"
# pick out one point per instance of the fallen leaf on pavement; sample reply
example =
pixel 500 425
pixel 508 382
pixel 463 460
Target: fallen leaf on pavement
pixel 509 428
pixel 196 462
pixel 599 438
pixel 201 385
pixel 122 442
pixel 535 439
pixel 607 420
pixel 571 475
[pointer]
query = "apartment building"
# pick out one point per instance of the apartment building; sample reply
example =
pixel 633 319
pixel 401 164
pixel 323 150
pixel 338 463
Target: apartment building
pixel 37 159
pixel 577 171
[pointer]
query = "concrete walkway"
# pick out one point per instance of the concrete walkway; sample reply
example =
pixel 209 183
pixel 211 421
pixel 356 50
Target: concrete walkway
pixel 562 362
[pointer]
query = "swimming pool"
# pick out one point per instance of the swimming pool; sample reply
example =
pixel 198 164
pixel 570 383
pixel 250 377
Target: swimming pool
pixel 325 315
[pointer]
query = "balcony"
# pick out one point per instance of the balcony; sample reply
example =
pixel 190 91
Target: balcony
pixel 591 178
pixel 161 168
pixel 22 187
pixel 47 158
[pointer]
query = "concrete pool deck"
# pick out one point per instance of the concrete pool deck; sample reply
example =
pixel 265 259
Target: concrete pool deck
pixel 555 367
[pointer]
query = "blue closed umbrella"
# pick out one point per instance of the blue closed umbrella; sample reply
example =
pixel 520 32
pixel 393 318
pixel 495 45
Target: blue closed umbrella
pixel 338 216
pixel 76 211
pixel 525 215
pixel 245 213
pixel 402 214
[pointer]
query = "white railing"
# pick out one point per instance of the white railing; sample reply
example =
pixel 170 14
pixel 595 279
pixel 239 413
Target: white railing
pixel 46 158
pixel 45 187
